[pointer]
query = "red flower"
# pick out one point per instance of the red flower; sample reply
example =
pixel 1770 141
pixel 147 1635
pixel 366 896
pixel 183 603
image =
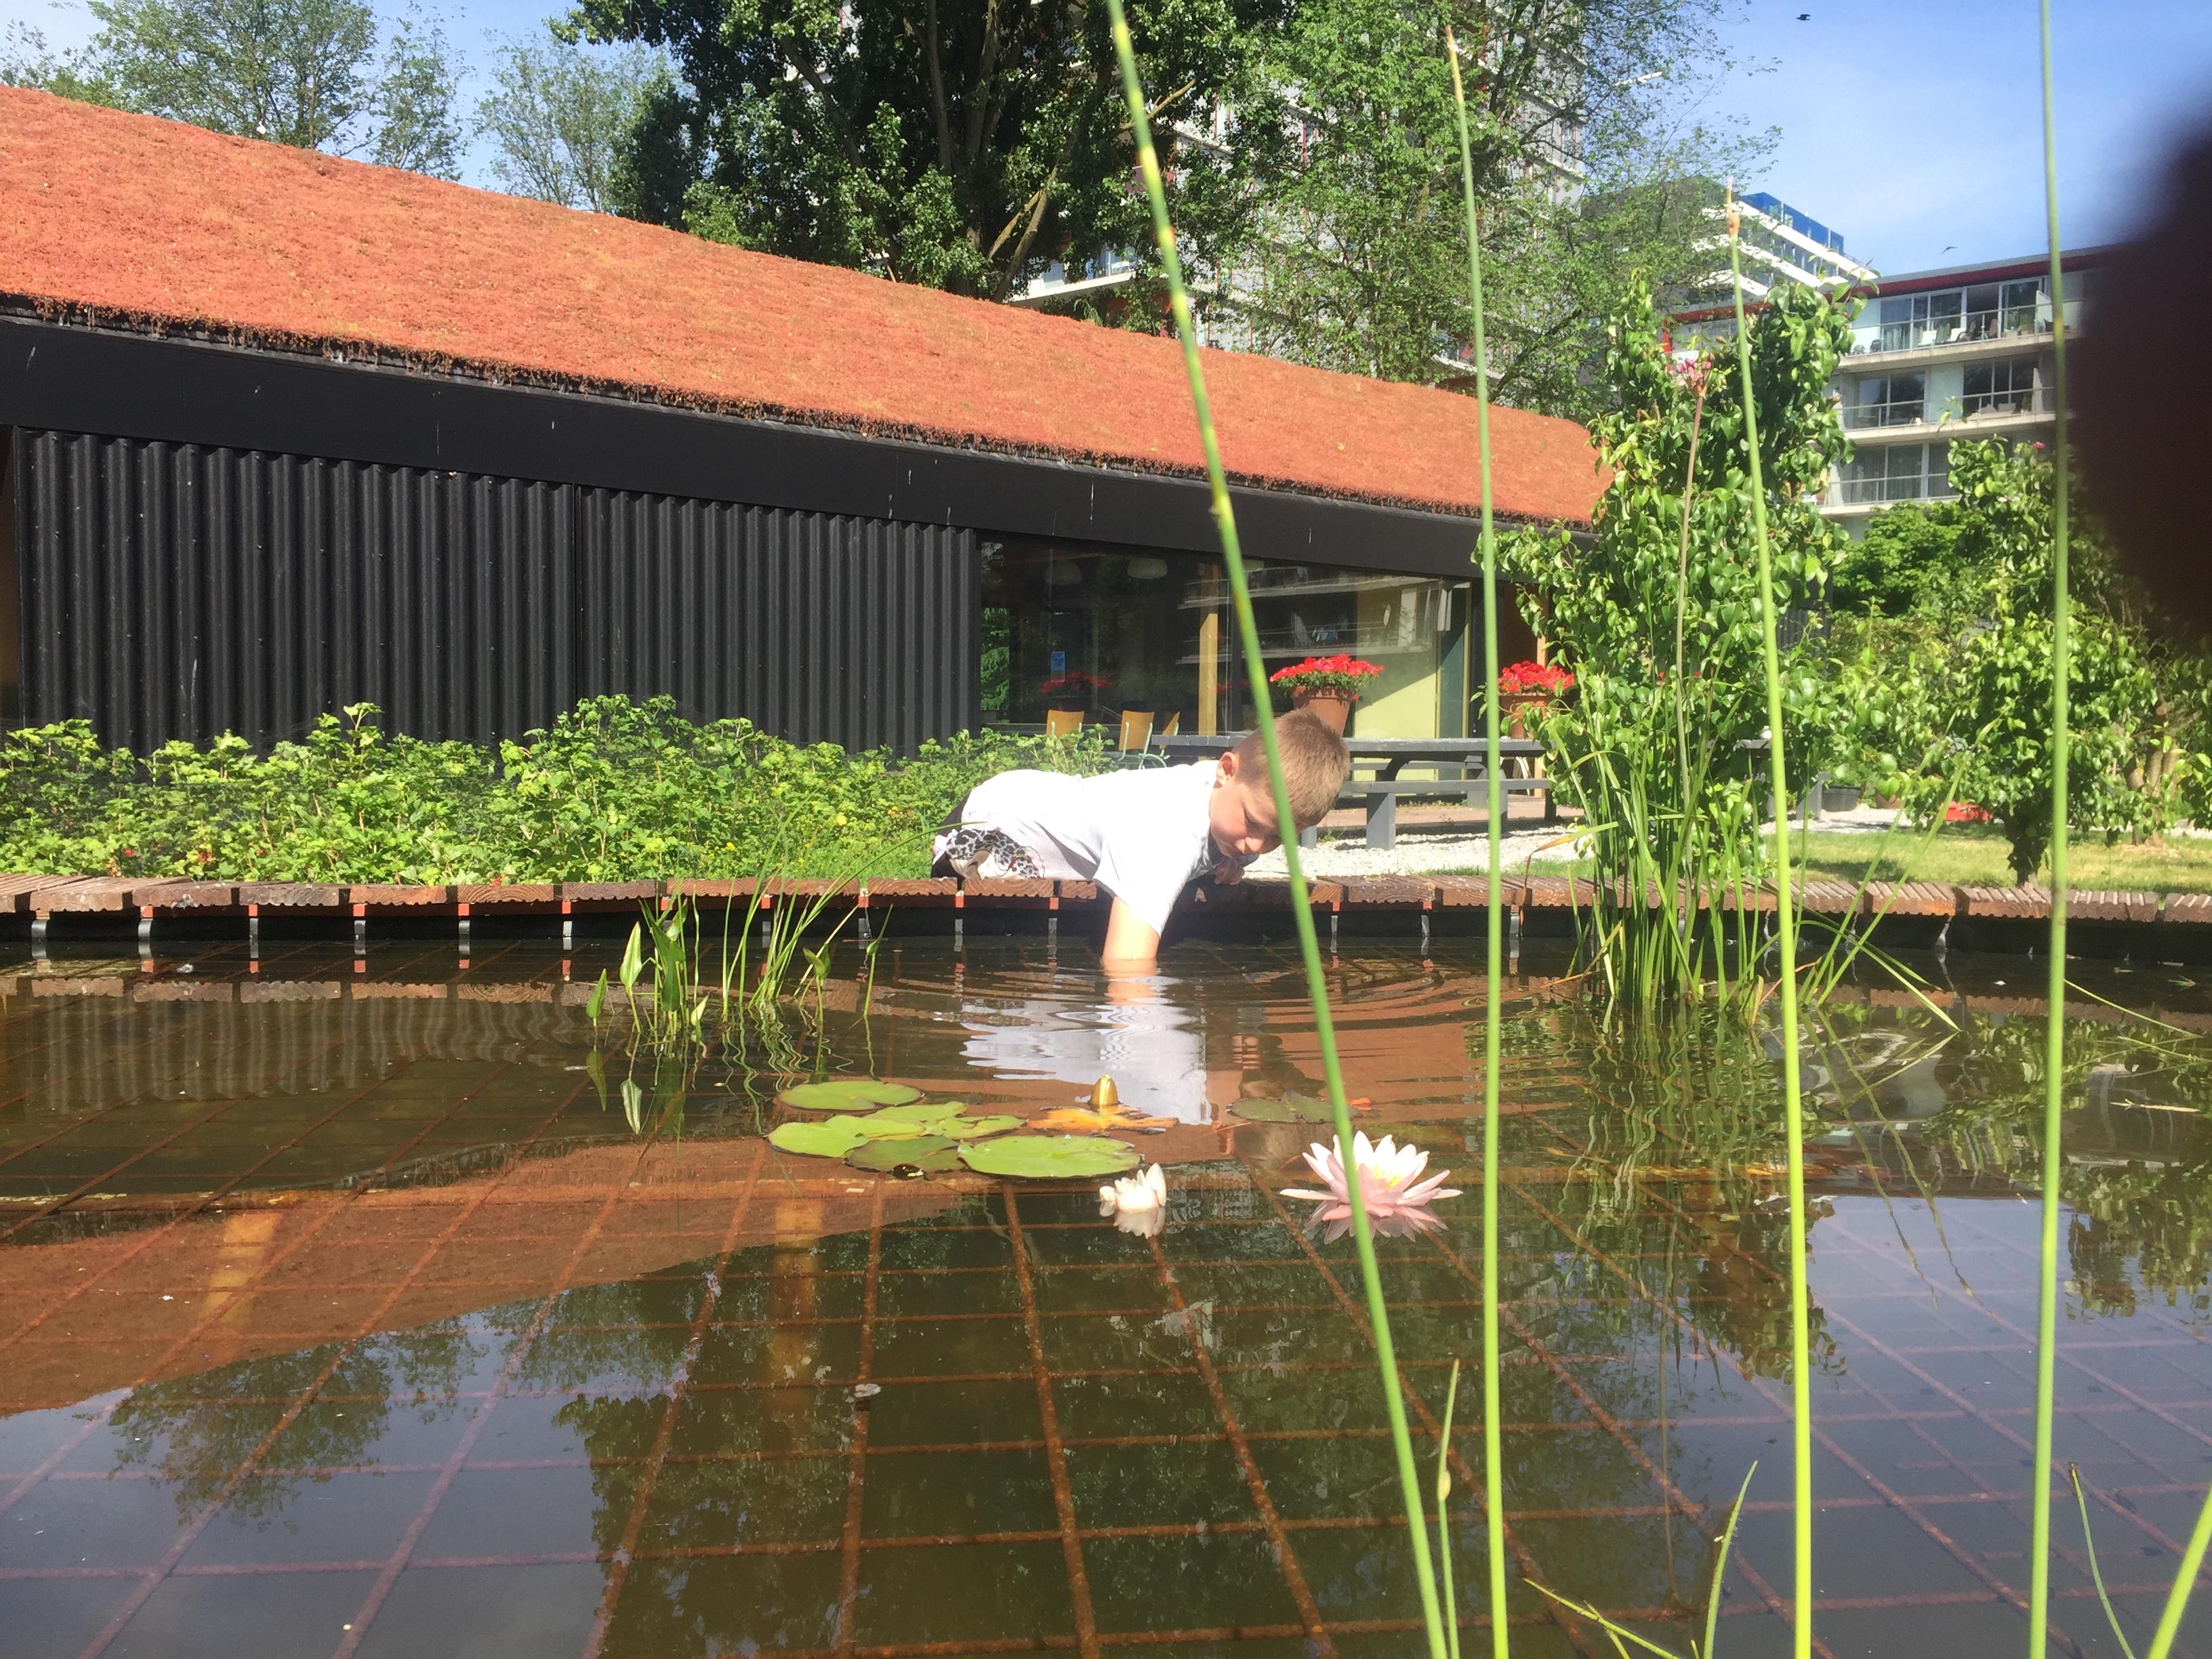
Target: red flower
pixel 1326 671
pixel 1546 679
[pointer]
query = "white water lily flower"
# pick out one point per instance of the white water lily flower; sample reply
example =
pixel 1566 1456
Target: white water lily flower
pixel 1390 1181
pixel 1138 1203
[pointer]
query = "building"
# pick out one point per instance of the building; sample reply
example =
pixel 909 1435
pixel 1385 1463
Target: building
pixel 284 432
pixel 1941 356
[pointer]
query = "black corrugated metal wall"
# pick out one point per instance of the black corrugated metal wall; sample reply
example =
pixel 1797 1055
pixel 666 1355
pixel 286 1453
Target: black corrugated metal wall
pixel 175 590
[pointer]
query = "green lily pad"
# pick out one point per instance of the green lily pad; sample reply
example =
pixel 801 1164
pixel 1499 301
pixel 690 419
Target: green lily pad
pixel 811 1139
pixel 933 1153
pixel 921 1111
pixel 1049 1158
pixel 1291 1109
pixel 975 1128
pixel 847 1094
pixel 881 1126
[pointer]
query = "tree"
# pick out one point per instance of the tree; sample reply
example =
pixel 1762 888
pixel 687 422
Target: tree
pixel 413 103
pixel 1908 560
pixel 560 117
pixel 1590 184
pixel 1966 709
pixel 960 144
pixel 301 72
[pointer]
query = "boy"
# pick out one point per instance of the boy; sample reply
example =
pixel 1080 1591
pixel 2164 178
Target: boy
pixel 1144 833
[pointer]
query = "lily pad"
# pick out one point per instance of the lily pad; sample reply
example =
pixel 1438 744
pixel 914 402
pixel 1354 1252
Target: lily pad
pixel 975 1128
pixel 847 1094
pixel 921 1111
pixel 933 1153
pixel 812 1138
pixel 1049 1158
pixel 880 1126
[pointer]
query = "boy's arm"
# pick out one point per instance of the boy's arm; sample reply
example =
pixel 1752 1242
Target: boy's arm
pixel 1130 942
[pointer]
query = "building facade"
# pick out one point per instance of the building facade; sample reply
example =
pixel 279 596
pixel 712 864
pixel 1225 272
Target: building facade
pixel 281 432
pixel 1938 356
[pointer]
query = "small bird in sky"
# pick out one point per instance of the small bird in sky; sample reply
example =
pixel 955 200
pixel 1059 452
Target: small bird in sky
pixel 1804 16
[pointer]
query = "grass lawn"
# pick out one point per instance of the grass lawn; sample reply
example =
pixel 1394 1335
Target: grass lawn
pixel 1972 855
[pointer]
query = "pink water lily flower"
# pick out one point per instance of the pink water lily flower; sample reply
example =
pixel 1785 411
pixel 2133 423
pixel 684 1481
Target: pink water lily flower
pixel 1389 1181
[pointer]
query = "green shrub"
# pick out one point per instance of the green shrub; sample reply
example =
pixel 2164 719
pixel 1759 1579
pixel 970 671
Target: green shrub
pixel 614 790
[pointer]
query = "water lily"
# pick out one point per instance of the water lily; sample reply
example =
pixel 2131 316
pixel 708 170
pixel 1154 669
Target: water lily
pixel 1390 1181
pixel 1138 1203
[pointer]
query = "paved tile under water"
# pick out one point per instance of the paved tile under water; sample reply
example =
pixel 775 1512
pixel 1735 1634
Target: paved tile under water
pixel 336 1323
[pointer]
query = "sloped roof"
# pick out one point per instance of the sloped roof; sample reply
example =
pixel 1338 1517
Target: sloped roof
pixel 130 219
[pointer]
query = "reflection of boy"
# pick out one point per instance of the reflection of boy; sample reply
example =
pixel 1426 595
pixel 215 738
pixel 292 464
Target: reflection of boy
pixel 1144 833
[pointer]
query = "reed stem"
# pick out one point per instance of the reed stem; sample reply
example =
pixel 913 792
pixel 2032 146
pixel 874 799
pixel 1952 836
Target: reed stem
pixel 1493 1456
pixel 1800 1345
pixel 2054 1038
pixel 1233 557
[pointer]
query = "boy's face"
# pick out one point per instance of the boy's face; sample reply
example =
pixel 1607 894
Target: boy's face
pixel 1242 811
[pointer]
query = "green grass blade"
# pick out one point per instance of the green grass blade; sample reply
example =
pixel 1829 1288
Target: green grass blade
pixel 2096 1573
pixel 1443 1517
pixel 1493 1465
pixel 1616 1633
pixel 1256 670
pixel 1801 1357
pixel 2054 1044
pixel 1720 1562
pixel 2177 1599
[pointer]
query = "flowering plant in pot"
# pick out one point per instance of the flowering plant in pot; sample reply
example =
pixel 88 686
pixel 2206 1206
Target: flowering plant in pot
pixel 1526 685
pixel 1328 686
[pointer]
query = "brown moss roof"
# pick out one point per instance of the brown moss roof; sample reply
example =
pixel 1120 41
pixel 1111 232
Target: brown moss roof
pixel 131 219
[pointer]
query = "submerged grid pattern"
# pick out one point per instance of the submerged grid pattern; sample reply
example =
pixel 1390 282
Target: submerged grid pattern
pixel 1081 1440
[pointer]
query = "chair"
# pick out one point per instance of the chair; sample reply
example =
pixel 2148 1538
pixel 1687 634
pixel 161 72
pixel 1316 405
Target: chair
pixel 1136 729
pixel 1174 724
pixel 1063 722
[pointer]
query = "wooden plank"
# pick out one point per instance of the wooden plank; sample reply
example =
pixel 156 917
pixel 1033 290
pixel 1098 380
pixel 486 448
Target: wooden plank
pixel 291 895
pixel 93 893
pixel 1081 892
pixel 609 892
pixel 398 896
pixel 2189 909
pixel 912 890
pixel 191 895
pixel 719 889
pixel 1007 887
pixel 1387 892
pixel 1830 898
pixel 491 896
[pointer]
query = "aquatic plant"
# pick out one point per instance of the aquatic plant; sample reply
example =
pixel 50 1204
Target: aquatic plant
pixel 1801 1358
pixel 1138 1204
pixel 1493 1465
pixel 1049 1158
pixel 1224 520
pixel 1105 1114
pixel 1620 1633
pixel 847 1094
pixel 1390 1182
pixel 2054 1056
pixel 2177 1598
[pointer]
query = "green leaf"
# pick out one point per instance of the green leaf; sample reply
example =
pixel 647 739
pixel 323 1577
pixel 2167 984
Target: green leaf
pixel 933 1153
pixel 812 1138
pixel 852 1094
pixel 1050 1158
pixel 921 1111
pixel 975 1128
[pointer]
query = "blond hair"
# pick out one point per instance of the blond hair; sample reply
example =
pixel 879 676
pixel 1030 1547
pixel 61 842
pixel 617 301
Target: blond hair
pixel 1315 764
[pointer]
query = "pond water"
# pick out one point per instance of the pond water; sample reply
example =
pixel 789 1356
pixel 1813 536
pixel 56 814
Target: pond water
pixel 353 1306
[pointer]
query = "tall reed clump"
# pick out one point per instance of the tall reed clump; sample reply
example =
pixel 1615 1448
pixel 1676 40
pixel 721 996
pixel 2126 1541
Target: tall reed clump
pixel 1801 1356
pixel 1308 947
pixel 1493 1463
pixel 1659 616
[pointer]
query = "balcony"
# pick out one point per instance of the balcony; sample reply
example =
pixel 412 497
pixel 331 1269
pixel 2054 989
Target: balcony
pixel 1904 412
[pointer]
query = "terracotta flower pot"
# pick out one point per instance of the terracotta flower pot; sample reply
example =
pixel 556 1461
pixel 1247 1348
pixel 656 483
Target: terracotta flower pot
pixel 1331 708
pixel 1513 709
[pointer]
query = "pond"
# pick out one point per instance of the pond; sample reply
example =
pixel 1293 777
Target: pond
pixel 353 1305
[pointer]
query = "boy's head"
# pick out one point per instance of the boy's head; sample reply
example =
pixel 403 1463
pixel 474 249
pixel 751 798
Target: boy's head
pixel 1243 806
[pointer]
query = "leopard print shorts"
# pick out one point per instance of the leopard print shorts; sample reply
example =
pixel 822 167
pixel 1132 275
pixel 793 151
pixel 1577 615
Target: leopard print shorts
pixel 970 854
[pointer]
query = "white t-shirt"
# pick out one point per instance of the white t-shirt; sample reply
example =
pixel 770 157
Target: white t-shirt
pixel 1141 833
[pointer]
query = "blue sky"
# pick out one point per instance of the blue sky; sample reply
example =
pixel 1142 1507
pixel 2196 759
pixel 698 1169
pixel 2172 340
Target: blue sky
pixel 1912 126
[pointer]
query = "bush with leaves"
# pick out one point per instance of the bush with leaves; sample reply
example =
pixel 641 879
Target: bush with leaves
pixel 613 790
pixel 1658 614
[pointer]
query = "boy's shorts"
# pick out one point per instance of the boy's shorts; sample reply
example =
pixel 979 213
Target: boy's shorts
pixel 970 854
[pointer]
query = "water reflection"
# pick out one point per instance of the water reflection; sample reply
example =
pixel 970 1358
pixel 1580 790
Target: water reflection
pixel 575 1384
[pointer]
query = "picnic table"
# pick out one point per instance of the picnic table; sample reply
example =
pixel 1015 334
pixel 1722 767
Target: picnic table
pixel 1385 758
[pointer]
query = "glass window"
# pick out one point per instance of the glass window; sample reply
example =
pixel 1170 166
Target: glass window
pixel 2006 386
pixel 1898 472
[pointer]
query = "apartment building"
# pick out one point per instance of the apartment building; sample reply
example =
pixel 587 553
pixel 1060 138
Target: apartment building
pixel 1938 356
